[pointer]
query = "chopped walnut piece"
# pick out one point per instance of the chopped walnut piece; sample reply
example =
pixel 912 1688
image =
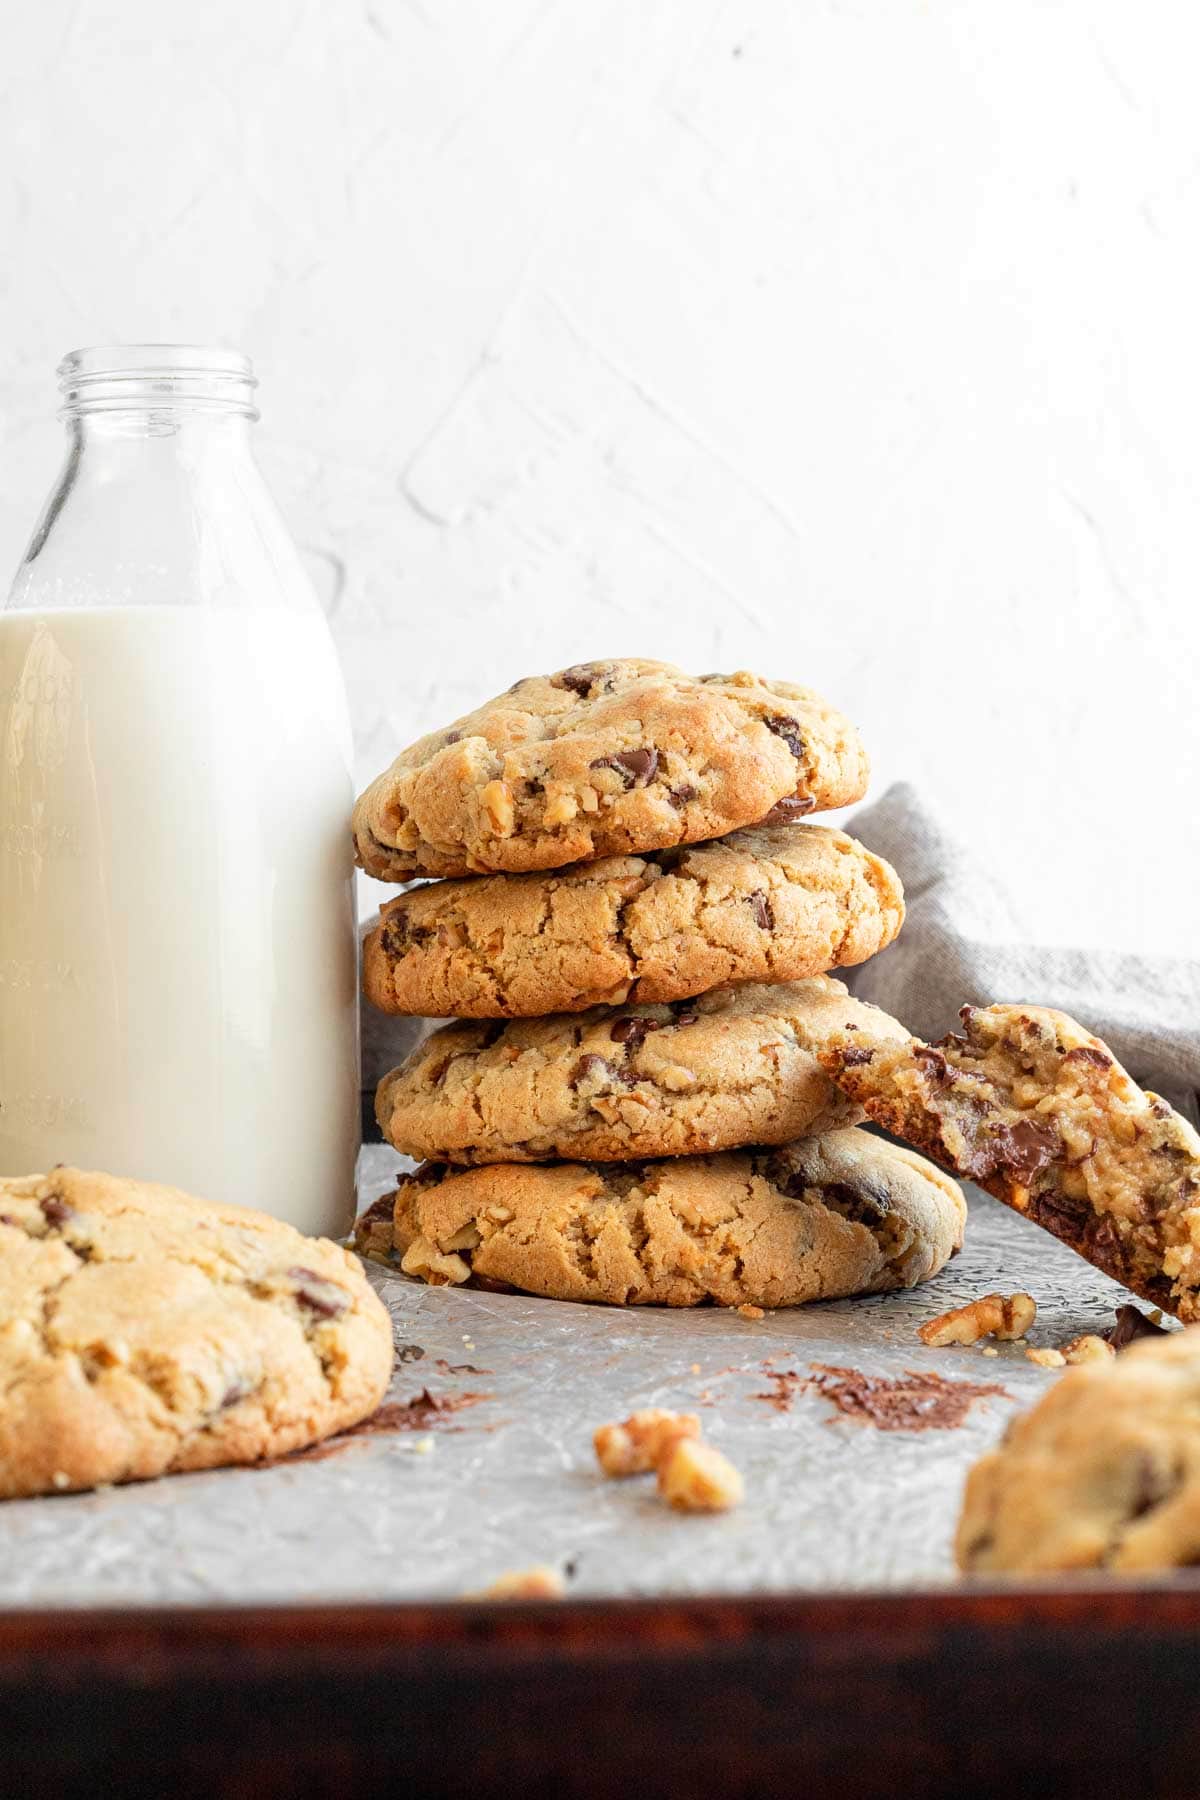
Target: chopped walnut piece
pixel 423 1258
pixel 1047 1359
pixel 693 1477
pixel 497 802
pixel 539 1583
pixel 637 1446
pixel 993 1315
pixel 1088 1348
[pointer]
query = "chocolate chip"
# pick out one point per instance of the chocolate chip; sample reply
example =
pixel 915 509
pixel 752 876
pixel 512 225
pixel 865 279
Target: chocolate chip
pixel 7 1219
pixel 934 1063
pixel 863 1205
pixel 424 1174
pixel 686 1018
pixel 1132 1324
pixel 580 678
pixel 760 906
pixel 1084 1053
pixel 1026 1147
pixel 1151 1486
pixel 1103 1241
pixel 791 807
pixel 589 1067
pixel 789 730
pixel 452 737
pixel 234 1394
pixel 635 767
pixel 400 935
pixel 853 1055
pixel 1060 1213
pixel 58 1212
pixel 378 1211
pixel 681 796
pixel 632 1030
pixel 322 1297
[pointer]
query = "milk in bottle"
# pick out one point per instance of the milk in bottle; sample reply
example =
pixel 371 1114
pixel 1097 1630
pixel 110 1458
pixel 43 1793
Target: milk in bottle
pixel 177 944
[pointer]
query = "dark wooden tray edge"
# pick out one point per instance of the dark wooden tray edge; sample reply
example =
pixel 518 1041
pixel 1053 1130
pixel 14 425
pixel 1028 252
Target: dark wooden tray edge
pixel 1084 1687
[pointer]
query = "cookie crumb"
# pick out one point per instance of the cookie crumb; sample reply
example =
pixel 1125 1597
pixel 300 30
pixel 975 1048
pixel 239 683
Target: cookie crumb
pixel 990 1351
pixel 694 1477
pixel 423 1446
pixel 993 1315
pixel 637 1446
pixel 538 1583
pixel 746 1311
pixel 1088 1348
pixel 1047 1358
pixel 695 1368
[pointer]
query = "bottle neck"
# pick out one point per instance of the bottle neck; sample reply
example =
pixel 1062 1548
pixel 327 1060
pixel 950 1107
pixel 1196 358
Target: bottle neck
pixel 133 410
pixel 156 382
pixel 133 436
pixel 160 501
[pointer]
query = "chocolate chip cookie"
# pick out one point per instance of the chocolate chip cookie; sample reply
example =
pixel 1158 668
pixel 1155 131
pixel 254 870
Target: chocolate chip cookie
pixel 1103 1473
pixel 144 1332
pixel 1032 1107
pixel 841 1214
pixel 734 1067
pixel 771 903
pixel 605 759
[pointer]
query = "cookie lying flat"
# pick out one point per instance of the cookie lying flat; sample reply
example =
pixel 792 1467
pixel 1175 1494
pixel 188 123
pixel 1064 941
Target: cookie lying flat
pixel 772 903
pixel 734 1067
pixel 144 1332
pixel 826 1217
pixel 1039 1112
pixel 605 759
pixel 1104 1472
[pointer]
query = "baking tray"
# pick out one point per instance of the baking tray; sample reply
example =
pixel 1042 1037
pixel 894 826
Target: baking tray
pixel 304 1581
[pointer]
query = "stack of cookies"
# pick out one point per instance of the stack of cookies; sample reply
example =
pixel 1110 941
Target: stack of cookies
pixel 634 929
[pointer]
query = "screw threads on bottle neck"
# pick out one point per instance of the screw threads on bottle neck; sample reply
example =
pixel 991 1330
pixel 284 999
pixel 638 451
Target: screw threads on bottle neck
pixel 156 378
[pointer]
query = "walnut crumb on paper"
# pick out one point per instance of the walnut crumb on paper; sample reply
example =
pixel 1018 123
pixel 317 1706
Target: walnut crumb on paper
pixel 538 1583
pixel 1088 1348
pixel 993 1315
pixel 636 1447
pixel 694 1477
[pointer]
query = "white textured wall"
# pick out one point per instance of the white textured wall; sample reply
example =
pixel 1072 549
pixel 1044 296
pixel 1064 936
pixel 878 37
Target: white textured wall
pixel 852 341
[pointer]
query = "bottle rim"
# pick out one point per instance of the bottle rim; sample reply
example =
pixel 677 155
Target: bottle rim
pixel 143 378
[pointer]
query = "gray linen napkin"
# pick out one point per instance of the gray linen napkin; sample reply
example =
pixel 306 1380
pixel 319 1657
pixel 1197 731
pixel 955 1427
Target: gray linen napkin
pixel 959 947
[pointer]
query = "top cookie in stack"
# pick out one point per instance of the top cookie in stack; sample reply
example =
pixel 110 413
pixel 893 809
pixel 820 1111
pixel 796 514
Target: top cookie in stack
pixel 614 841
pixel 606 759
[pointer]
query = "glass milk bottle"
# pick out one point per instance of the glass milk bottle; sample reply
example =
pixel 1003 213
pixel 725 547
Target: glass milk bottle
pixel 177 944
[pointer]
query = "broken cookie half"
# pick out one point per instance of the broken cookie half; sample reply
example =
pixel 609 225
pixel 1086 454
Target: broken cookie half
pixel 1033 1108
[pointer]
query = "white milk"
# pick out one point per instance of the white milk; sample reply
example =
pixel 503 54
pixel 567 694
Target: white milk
pixel 177 981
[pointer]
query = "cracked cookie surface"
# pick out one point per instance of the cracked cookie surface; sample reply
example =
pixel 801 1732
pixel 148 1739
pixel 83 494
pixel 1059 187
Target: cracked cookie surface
pixel 605 759
pixel 771 903
pixel 738 1066
pixel 823 1218
pixel 144 1332
pixel 1104 1472
pixel 1040 1113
